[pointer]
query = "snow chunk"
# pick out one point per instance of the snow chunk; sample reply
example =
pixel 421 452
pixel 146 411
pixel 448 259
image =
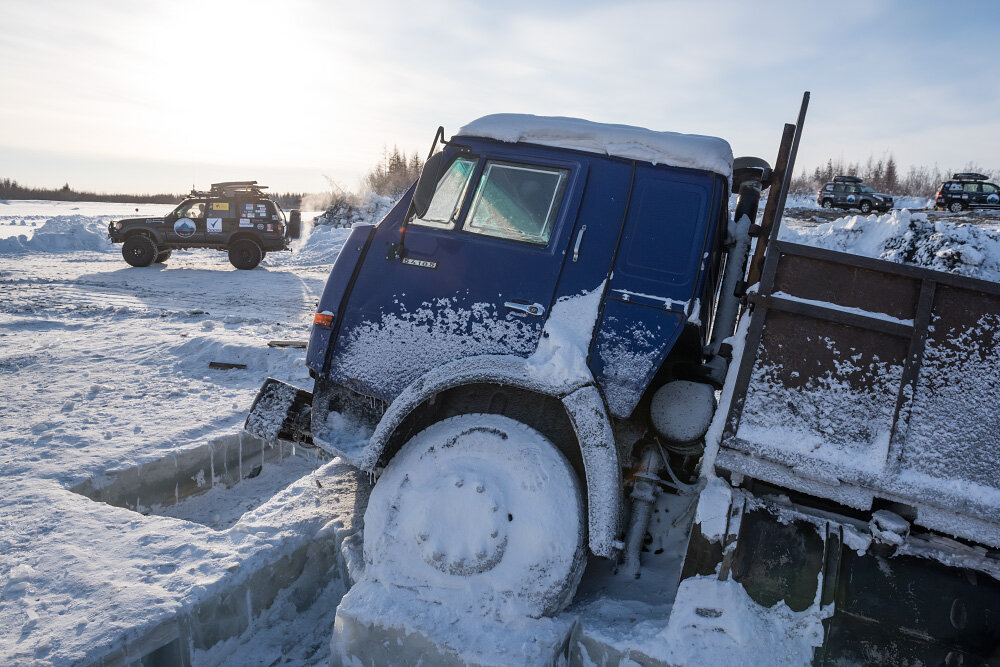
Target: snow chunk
pixel 562 351
pixel 693 151
pixel 713 620
pixel 713 508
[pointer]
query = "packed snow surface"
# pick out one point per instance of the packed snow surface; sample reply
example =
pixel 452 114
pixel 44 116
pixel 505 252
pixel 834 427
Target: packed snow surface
pixel 909 238
pixel 694 151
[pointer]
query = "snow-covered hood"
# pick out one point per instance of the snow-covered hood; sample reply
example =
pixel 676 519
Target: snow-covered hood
pixel 693 151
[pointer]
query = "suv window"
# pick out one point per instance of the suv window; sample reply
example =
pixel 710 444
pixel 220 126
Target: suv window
pixel 954 186
pixel 989 188
pixel 449 194
pixel 222 209
pixel 840 189
pixel 828 187
pixel 867 189
pixel 191 209
pixel 517 201
pixel 972 187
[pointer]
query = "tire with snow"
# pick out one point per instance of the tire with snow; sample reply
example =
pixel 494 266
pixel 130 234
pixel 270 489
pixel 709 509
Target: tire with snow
pixel 163 256
pixel 955 207
pixel 245 254
pixel 866 207
pixel 139 250
pixel 827 203
pixel 481 513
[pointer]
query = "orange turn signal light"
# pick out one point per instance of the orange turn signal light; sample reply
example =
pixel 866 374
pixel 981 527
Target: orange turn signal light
pixel 323 319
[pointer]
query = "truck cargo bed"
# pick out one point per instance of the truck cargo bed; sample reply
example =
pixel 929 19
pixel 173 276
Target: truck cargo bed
pixel 867 383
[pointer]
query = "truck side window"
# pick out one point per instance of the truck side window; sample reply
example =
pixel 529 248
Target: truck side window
pixel 449 195
pixel 195 209
pixel 516 201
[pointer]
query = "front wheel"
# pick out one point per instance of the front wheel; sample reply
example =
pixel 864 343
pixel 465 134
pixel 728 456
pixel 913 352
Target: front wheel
pixel 955 207
pixel 482 512
pixel 245 254
pixel 139 250
pixel 866 207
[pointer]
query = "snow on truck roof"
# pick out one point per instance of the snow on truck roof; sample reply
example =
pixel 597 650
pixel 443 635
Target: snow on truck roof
pixel 674 149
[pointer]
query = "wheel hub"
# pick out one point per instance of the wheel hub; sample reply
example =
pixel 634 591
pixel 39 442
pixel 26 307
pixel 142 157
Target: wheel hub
pixel 464 531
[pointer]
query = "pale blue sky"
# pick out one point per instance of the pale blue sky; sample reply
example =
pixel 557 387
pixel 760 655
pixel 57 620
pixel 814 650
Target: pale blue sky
pixel 159 96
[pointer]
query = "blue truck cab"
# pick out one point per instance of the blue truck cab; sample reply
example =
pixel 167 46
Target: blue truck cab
pixel 560 273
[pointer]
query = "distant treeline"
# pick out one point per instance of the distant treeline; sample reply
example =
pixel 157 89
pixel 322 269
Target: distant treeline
pixel 883 175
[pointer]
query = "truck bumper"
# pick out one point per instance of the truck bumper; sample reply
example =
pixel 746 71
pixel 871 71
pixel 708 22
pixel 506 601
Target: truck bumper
pixel 880 604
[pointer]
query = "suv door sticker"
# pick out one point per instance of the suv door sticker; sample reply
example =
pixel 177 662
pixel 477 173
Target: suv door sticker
pixel 214 225
pixel 246 222
pixel 184 228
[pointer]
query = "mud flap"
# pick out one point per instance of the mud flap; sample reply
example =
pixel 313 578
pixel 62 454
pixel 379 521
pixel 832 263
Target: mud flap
pixel 280 412
pixel 881 606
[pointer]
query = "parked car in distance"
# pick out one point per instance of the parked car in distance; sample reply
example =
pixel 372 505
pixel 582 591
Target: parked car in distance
pixel 967 190
pixel 236 216
pixel 849 192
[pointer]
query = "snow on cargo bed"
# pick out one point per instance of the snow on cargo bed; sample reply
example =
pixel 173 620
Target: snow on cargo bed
pixel 909 238
pixel 693 151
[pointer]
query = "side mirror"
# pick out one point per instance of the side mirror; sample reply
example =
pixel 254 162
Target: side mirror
pixel 750 170
pixel 427 183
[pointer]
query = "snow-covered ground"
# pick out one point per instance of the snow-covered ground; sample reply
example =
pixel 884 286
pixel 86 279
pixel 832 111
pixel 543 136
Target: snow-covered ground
pixel 104 367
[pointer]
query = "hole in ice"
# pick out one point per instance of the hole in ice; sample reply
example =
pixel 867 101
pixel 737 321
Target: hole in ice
pixel 214 484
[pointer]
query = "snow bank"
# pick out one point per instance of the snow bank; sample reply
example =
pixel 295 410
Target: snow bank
pixel 62 233
pixel 694 151
pixel 350 210
pixel 909 238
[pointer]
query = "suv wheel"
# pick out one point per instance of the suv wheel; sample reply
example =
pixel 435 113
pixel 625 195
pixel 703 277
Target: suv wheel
pixel 866 207
pixel 955 207
pixel 139 250
pixel 163 256
pixel 245 254
pixel 827 203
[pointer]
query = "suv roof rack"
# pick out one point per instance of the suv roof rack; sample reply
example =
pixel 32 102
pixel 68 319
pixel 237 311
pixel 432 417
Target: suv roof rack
pixel 846 179
pixel 968 176
pixel 229 188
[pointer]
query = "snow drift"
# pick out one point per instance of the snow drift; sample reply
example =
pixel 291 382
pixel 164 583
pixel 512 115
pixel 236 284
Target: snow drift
pixel 909 238
pixel 60 234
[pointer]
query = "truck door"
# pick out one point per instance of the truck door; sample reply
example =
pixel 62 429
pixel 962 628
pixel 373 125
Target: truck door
pixel 655 282
pixel 188 225
pixel 477 276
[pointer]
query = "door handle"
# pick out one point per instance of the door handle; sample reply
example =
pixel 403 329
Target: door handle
pixel 579 240
pixel 525 308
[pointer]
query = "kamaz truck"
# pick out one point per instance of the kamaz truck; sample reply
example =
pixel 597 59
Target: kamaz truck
pixel 561 315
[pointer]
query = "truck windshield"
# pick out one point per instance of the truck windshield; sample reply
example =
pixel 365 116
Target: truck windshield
pixel 516 201
pixel 449 194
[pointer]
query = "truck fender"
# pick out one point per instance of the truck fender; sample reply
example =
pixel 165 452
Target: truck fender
pixel 583 404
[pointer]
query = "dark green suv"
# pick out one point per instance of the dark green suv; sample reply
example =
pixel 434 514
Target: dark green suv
pixel 848 192
pixel 236 216
pixel 967 190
